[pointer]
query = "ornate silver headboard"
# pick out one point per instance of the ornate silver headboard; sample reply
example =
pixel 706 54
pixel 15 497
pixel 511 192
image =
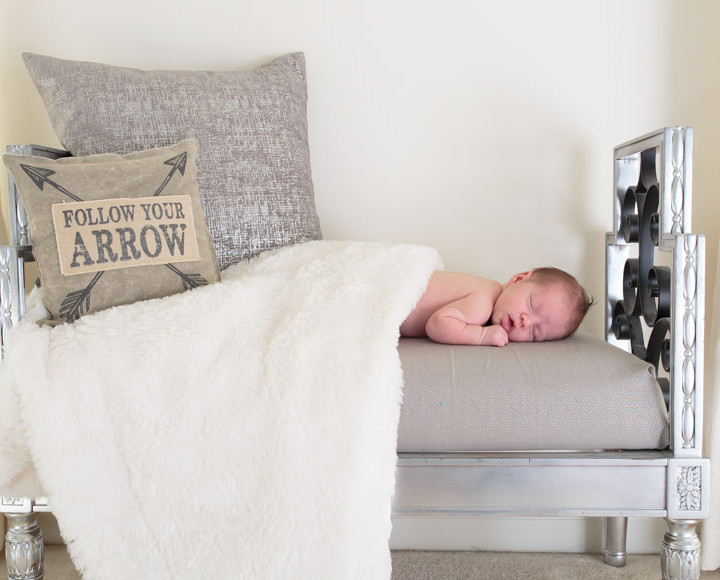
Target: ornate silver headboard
pixel 650 241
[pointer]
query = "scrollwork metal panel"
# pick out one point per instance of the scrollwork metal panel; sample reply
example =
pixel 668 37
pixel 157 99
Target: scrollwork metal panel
pixel 655 298
pixel 662 159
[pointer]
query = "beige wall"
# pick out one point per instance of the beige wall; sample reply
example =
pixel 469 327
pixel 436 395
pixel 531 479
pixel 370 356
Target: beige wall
pixel 483 128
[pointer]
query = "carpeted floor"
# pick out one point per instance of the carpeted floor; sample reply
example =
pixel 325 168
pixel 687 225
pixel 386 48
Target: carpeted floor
pixel 467 566
pixel 522 566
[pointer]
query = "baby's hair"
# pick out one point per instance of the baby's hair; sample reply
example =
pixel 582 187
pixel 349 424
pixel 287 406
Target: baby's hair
pixel 580 301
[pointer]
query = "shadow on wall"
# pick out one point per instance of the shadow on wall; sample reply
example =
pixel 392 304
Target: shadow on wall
pixel 694 99
pixel 546 169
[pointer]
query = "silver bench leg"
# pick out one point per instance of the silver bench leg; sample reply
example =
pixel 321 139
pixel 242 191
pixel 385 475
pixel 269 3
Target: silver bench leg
pixel 615 540
pixel 680 553
pixel 24 548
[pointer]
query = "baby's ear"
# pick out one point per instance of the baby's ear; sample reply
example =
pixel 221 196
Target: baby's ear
pixel 521 276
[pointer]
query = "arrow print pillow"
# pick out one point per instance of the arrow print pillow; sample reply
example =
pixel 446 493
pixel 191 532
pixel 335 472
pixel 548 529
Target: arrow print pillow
pixel 113 229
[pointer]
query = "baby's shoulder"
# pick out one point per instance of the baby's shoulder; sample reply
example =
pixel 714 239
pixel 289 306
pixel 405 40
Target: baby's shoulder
pixel 488 288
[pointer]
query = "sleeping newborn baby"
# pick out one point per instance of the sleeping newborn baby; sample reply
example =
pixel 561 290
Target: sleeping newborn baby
pixel 540 304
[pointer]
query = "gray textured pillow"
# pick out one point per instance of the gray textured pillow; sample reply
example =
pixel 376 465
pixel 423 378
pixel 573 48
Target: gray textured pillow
pixel 253 161
pixel 110 230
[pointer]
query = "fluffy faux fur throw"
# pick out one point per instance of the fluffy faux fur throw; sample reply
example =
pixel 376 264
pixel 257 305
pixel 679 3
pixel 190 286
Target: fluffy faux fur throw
pixel 241 430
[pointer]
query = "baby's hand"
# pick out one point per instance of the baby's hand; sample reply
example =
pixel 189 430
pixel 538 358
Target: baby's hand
pixel 495 335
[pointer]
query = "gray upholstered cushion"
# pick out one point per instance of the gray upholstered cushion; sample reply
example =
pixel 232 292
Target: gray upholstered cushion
pixel 253 160
pixel 577 393
pixel 112 229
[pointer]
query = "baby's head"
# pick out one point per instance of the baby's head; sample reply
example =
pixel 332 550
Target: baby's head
pixel 541 304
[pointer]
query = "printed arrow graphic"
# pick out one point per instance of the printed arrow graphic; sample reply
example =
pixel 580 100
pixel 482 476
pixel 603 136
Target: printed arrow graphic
pixel 78 302
pixel 40 177
pixel 189 281
pixel 178 164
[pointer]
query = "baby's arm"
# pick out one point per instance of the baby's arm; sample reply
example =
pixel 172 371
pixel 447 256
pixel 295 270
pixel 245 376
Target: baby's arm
pixel 464 321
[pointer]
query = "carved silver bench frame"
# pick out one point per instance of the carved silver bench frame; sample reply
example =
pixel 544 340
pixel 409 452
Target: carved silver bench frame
pixel 613 484
pixel 24 547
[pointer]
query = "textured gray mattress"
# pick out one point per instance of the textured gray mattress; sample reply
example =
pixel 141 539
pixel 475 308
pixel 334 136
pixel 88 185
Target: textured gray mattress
pixel 578 393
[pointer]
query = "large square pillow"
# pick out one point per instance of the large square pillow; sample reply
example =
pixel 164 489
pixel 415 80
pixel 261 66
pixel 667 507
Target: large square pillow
pixel 110 229
pixel 254 158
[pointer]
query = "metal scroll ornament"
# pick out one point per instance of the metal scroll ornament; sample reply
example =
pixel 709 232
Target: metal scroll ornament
pixel 648 292
pixel 647 288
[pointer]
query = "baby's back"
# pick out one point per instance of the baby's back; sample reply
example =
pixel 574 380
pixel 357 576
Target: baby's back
pixel 443 288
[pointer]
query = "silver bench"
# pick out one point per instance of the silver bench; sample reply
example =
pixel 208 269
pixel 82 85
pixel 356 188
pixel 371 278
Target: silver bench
pixel 654 309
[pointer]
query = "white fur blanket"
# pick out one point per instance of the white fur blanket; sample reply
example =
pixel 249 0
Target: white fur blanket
pixel 241 430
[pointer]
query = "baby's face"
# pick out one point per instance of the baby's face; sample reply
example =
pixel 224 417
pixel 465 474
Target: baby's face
pixel 532 312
